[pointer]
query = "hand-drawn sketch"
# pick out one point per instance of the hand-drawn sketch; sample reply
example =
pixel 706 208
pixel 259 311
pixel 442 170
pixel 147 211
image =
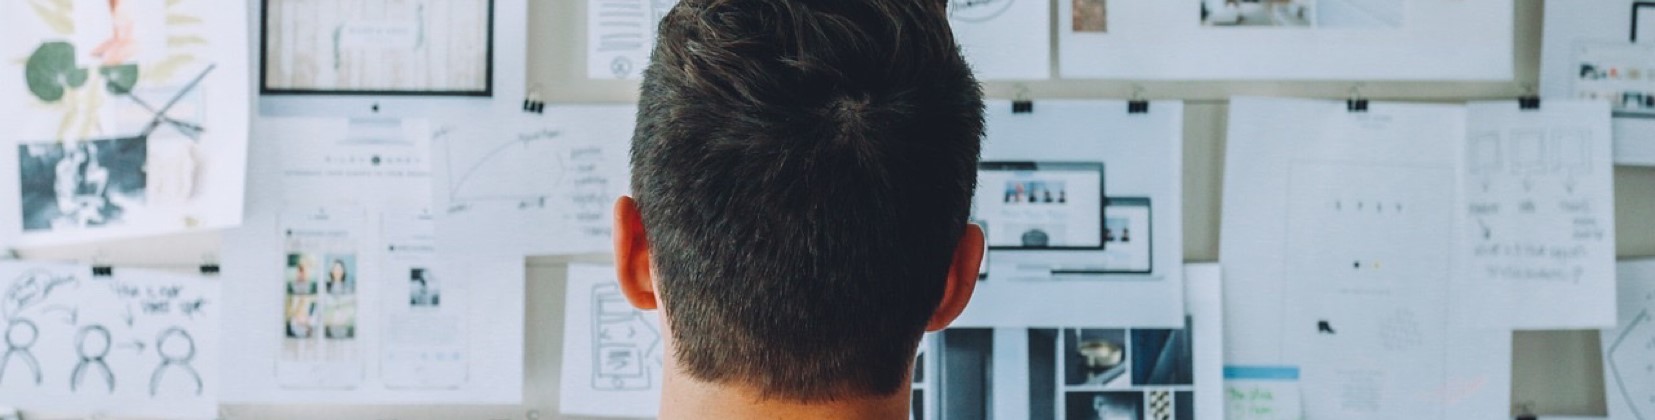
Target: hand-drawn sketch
pixel 20 336
pixel 622 342
pixel 576 157
pixel 92 344
pixel 177 349
pixel 1629 348
pixel 81 333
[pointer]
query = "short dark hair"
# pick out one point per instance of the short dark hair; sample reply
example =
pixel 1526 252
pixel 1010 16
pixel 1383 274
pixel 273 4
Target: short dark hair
pixel 804 171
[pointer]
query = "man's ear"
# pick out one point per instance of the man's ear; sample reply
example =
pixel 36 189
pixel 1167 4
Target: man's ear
pixel 632 264
pixel 962 278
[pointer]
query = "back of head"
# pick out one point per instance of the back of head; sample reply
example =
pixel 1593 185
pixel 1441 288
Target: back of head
pixel 804 171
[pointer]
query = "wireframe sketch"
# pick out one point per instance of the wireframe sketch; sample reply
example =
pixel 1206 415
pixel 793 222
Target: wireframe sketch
pixel 623 343
pixel 421 46
pixel 21 335
pixel 92 344
pixel 177 349
pixel 977 10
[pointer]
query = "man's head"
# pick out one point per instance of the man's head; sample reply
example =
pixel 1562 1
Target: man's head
pixel 803 171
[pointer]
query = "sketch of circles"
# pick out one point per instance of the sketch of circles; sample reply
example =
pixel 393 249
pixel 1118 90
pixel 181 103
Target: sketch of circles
pixel 977 10
pixel 21 334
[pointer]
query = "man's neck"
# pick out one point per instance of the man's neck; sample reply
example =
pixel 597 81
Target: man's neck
pixel 686 398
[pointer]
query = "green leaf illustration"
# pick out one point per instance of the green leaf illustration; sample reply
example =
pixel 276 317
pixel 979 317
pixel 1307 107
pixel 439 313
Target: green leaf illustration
pixel 51 71
pixel 121 77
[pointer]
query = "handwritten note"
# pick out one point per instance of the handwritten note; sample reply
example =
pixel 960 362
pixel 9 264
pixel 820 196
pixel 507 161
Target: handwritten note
pixel 1262 393
pixel 1538 216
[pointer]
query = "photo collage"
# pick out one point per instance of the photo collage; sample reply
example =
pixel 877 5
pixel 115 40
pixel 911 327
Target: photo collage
pixel 320 282
pixel 1302 13
pixel 1620 74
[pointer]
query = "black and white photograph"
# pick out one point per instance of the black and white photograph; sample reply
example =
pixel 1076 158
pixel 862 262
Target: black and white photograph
pixel 1162 357
pixel 82 184
pixel 1094 357
pixel 1110 405
pixel 422 289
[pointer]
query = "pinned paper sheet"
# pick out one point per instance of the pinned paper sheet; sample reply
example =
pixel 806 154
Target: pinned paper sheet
pixel 350 297
pixel 530 184
pixel 1628 353
pixel 124 119
pixel 612 352
pixel 620 35
pixel 1341 269
pixel 1292 40
pixel 1262 393
pixel 1004 39
pixel 1537 229
pixel 1118 371
pixel 129 342
pixel 1122 256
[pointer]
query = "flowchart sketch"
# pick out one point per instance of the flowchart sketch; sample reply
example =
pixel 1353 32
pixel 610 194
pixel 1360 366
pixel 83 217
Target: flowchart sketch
pixel 531 184
pixel 1537 232
pixel 80 340
pixel 612 352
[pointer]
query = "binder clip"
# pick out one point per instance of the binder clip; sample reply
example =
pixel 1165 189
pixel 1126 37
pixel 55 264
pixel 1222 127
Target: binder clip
pixel 103 271
pixel 1137 105
pixel 1356 103
pixel 1021 104
pixel 208 266
pixel 1530 101
pixel 533 104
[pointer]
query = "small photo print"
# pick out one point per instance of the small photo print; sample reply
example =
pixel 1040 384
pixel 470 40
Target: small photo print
pixel 1105 405
pixel 82 184
pixel 422 289
pixel 1162 357
pixel 1265 13
pixel 341 274
pixel 339 320
pixel 300 318
pixel 1036 192
pixel 1091 16
pixel 1094 357
pixel 301 274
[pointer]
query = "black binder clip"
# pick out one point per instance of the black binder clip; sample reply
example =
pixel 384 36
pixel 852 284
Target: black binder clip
pixel 103 271
pixel 1021 104
pixel 533 104
pixel 209 269
pixel 1137 105
pixel 1356 103
pixel 1530 101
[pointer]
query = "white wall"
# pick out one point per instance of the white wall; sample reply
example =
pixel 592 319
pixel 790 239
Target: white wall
pixel 1554 372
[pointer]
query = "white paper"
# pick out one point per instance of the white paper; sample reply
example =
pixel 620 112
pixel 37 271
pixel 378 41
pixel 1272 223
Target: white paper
pixel 1336 264
pixel 114 141
pixel 1305 40
pixel 1142 155
pixel 336 200
pixel 620 35
pixel 527 184
pixel 1081 373
pixel 131 343
pixel 1629 348
pixel 611 351
pixel 1537 227
pixel 1004 39
pixel 1587 53
pixel 424 46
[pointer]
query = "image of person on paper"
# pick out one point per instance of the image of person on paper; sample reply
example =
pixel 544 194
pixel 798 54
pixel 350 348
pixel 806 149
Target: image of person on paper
pixel 82 184
pixel 422 289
